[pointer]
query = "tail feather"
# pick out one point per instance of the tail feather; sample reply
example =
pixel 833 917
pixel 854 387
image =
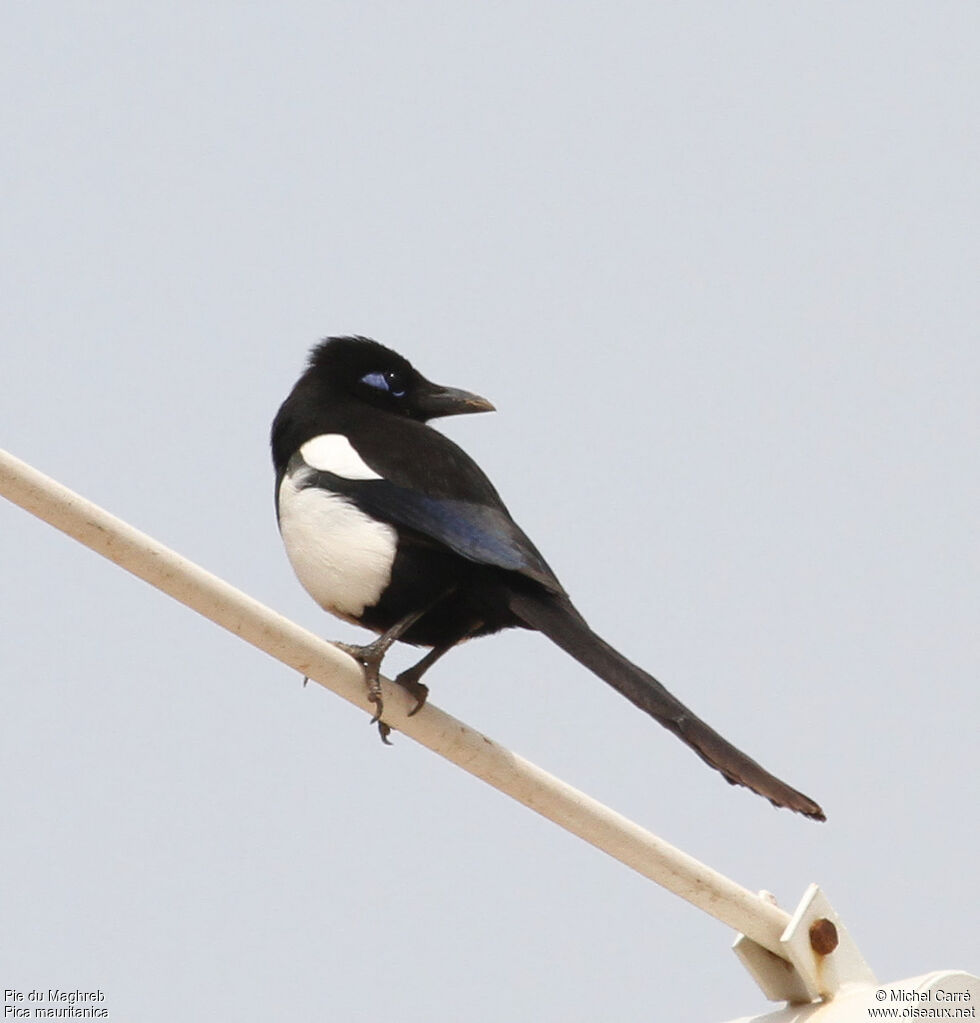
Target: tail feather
pixel 562 624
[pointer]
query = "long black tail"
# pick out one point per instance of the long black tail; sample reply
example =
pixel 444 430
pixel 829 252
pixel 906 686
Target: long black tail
pixel 562 624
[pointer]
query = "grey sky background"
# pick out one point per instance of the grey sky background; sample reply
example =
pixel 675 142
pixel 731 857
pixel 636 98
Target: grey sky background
pixel 717 267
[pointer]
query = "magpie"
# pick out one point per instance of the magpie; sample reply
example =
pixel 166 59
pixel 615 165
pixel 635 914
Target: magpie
pixel 390 525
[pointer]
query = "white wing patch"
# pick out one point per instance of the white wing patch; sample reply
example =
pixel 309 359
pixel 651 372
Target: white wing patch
pixel 333 452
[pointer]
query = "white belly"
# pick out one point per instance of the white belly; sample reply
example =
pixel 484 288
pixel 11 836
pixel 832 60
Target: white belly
pixel 342 557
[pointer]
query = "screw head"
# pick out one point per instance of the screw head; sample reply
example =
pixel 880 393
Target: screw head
pixel 823 937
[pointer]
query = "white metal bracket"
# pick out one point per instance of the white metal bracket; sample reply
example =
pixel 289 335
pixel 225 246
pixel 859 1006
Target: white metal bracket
pixel 818 955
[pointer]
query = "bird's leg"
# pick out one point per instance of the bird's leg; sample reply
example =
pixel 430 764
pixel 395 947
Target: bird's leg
pixel 409 678
pixel 370 658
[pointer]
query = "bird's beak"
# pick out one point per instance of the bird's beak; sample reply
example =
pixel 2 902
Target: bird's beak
pixel 436 401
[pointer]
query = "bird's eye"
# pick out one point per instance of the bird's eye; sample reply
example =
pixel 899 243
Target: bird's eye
pixel 390 381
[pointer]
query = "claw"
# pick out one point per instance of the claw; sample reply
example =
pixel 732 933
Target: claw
pixel 384 730
pixel 379 706
pixel 413 688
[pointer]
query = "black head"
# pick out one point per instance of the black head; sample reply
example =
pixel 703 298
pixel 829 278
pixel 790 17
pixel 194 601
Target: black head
pixel 368 371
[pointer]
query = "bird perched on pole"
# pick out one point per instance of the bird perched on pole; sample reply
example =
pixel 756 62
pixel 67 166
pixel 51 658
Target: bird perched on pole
pixel 390 525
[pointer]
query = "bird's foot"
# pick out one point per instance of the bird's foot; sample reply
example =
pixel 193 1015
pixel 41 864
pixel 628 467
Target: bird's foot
pixel 408 680
pixel 370 658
